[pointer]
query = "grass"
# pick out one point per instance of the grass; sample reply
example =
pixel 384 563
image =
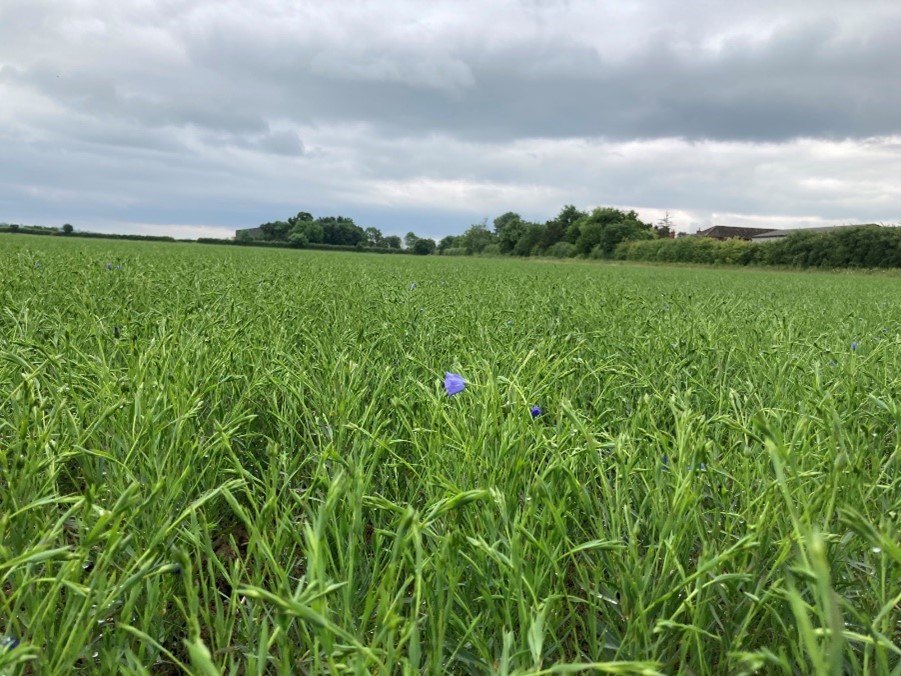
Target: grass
pixel 244 462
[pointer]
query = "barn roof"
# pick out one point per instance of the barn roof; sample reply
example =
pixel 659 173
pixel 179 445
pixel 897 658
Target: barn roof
pixel 727 231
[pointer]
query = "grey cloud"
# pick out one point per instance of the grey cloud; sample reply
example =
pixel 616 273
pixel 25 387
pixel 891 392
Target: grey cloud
pixel 201 111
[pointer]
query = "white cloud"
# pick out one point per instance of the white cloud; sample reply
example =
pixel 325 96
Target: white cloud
pixel 142 114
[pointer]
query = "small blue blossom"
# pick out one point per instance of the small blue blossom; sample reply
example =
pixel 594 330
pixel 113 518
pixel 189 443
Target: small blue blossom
pixel 8 643
pixel 509 322
pixel 665 461
pixel 854 346
pixel 536 411
pixel 109 266
pixel 453 383
pixel 412 285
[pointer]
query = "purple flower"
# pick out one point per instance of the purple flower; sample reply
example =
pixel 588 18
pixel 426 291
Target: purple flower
pixel 536 411
pixel 453 383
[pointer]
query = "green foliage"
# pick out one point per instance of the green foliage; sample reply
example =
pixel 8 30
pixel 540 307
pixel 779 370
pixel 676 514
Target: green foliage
pixel 562 250
pixel 864 247
pixel 423 246
pixel 601 231
pixel 476 238
pixel 529 240
pixel 449 242
pixel 564 227
pixel 239 460
pixel 508 228
pixel 306 232
pixel 67 229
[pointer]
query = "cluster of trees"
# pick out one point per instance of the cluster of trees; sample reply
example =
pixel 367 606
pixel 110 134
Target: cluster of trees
pixel 68 230
pixel 571 233
pixel 303 230
pixel 869 246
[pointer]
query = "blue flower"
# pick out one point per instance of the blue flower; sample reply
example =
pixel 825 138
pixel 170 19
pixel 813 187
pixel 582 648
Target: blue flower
pixel 854 346
pixel 453 383
pixel 8 642
pixel 109 266
pixel 412 285
pixel 536 411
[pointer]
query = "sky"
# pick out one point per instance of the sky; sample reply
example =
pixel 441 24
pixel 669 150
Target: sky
pixel 192 118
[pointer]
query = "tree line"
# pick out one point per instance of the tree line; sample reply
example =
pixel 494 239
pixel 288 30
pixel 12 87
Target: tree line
pixel 571 233
pixel 867 246
pixel 602 233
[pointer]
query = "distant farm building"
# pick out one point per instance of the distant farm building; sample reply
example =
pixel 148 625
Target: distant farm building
pixel 775 235
pixel 249 234
pixel 729 232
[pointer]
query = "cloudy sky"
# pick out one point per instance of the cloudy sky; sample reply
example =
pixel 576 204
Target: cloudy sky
pixel 194 117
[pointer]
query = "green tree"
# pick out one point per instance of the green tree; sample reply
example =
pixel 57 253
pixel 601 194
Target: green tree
pixel 508 228
pixel 476 238
pixel 276 231
pixel 392 242
pixel 301 217
pixel 528 242
pixel 410 240
pixel 449 242
pixel 67 229
pixel 557 229
pixel 604 228
pixel 340 231
pixel 423 246
pixel 374 237
pixel 306 232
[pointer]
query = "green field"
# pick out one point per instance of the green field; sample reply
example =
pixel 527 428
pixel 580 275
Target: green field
pixel 244 461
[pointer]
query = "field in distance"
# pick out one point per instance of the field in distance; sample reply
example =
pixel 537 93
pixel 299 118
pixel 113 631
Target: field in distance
pixel 245 461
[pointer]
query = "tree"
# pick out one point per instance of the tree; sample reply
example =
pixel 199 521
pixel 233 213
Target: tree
pixel 664 226
pixel 392 242
pixel 410 240
pixel 559 229
pixel 340 231
pixel 374 237
pixel 449 242
pixel 306 232
pixel 67 229
pixel 423 246
pixel 508 228
pixel 301 217
pixel 604 228
pixel 276 231
pixel 529 239
pixel 476 238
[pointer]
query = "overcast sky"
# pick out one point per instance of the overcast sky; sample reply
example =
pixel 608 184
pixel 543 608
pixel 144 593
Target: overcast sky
pixel 195 117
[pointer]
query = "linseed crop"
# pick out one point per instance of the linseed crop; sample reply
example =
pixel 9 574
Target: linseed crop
pixel 219 460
